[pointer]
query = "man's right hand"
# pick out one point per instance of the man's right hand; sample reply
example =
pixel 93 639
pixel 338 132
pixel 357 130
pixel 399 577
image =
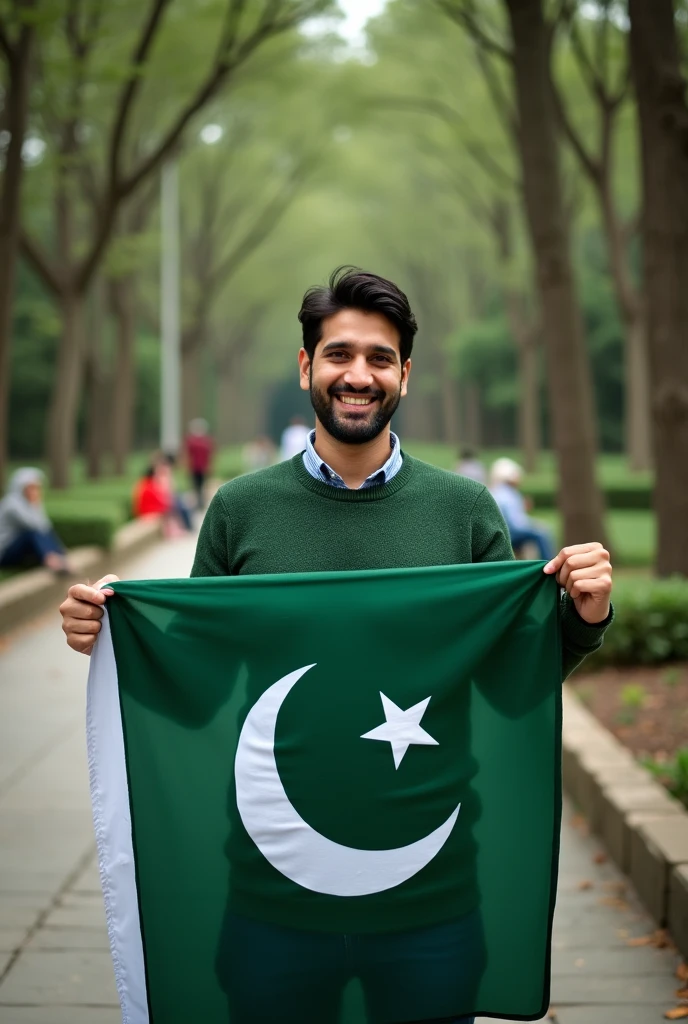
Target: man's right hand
pixel 82 611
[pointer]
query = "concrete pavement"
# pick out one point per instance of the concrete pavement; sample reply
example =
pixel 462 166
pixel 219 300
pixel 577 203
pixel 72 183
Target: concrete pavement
pixel 54 960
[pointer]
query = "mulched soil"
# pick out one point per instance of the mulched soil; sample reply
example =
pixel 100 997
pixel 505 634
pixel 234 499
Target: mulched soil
pixel 659 726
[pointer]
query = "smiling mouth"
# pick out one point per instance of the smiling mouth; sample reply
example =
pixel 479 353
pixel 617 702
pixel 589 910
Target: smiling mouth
pixel 356 400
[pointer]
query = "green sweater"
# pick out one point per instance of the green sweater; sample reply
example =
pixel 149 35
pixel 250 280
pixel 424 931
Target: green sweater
pixel 281 520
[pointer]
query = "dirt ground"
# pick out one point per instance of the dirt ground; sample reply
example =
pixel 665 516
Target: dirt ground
pixel 645 707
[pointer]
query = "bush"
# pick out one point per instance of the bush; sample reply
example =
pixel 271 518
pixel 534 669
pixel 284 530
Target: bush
pixel 650 624
pixel 82 523
pixel 616 496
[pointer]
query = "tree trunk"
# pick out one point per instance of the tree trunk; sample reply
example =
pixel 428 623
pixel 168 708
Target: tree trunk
pixel 193 345
pixel 450 409
pixel 95 387
pixel 663 129
pixel 16 108
pixel 472 416
pixel 529 400
pixel 637 423
pixel 525 334
pixel 65 399
pixel 121 296
pixel 638 420
pixel 572 411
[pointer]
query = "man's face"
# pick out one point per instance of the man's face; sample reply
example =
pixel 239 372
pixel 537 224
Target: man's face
pixel 356 378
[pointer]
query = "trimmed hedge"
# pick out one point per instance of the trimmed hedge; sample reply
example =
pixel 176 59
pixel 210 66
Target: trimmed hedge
pixel 85 523
pixel 650 624
pixel 616 496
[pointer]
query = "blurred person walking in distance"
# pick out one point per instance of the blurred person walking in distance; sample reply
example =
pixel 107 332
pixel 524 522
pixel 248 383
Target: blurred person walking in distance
pixel 199 452
pixel 294 438
pixel 27 536
pixel 470 465
pixel 505 482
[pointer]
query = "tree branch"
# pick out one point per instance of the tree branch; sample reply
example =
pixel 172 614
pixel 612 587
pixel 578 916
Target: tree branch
pixel 264 223
pixel 446 113
pixel 462 12
pixel 503 108
pixel 35 255
pixel 591 166
pixel 131 87
pixel 6 45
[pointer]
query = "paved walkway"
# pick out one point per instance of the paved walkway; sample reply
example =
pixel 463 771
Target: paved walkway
pixel 54 960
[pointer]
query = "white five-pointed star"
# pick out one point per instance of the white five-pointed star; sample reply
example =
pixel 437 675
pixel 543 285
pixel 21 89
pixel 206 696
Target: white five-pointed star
pixel 402 728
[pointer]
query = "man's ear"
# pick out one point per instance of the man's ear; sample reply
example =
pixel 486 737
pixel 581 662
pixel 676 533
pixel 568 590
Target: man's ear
pixel 405 372
pixel 304 370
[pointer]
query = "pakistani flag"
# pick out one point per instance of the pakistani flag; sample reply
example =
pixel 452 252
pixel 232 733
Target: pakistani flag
pixel 329 798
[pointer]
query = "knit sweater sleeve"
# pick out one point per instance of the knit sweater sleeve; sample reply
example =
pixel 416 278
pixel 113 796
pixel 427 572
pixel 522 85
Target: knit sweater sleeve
pixel 490 540
pixel 212 549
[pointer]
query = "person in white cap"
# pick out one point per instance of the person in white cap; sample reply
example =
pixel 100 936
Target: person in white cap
pixel 505 482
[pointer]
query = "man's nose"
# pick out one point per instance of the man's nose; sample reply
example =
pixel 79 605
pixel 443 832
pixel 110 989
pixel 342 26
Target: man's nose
pixel 358 374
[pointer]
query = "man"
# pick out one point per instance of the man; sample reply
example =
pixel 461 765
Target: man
pixel 505 482
pixel 354 500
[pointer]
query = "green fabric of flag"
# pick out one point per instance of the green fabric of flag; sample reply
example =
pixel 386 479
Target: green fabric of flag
pixel 329 798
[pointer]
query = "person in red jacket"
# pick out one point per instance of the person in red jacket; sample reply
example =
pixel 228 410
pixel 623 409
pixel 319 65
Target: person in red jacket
pixel 150 498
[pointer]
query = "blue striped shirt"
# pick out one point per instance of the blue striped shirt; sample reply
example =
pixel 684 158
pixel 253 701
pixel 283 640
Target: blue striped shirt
pixel 319 470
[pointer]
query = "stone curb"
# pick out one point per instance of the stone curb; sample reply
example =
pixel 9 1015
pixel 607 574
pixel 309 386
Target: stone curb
pixel 24 596
pixel 644 830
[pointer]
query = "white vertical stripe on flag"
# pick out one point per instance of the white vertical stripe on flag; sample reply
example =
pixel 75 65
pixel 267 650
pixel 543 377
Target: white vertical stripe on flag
pixel 112 821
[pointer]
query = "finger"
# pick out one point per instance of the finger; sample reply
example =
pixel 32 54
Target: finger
pixel 574 569
pixel 87 593
pixel 81 610
pixel 70 626
pixel 110 578
pixel 572 549
pixel 81 644
pixel 601 586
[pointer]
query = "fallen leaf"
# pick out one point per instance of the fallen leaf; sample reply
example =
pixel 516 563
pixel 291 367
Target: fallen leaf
pixel 600 857
pixel 682 972
pixel 659 939
pixel 615 902
pixel 585 884
pixel 682 993
pixel 678 1013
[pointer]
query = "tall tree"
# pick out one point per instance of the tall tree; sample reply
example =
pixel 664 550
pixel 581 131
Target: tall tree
pixel 572 413
pixel 663 121
pixel 608 88
pixel 17 34
pixel 81 243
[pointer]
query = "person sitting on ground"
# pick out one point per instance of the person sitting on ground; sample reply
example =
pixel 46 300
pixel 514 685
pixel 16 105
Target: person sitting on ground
pixel 505 481
pixel 154 494
pixel 165 476
pixel 27 537
pixel 150 498
pixel 470 465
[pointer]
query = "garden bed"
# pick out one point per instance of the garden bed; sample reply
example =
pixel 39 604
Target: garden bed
pixel 646 708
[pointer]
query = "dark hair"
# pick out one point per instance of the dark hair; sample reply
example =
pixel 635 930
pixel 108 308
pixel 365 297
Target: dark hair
pixel 353 288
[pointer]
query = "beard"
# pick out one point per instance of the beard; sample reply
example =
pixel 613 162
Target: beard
pixel 356 429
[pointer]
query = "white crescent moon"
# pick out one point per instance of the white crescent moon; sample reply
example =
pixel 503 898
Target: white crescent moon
pixel 288 842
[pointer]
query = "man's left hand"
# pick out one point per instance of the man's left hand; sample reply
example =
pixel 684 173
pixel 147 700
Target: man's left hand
pixel 586 573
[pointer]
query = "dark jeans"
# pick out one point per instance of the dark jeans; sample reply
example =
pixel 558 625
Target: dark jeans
pixel 275 975
pixel 31 547
pixel 538 535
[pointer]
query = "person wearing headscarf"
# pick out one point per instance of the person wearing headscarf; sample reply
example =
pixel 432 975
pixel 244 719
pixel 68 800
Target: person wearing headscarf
pixel 505 483
pixel 27 536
